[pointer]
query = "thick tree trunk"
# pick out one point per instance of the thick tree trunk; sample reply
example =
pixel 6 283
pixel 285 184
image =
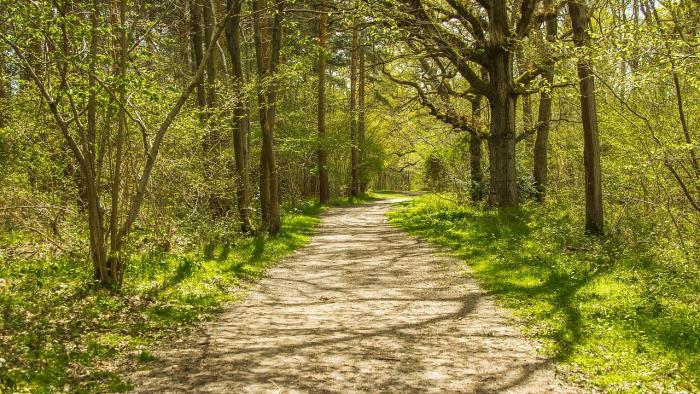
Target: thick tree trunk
pixel 591 139
pixel 240 118
pixel 477 174
pixel 354 151
pixel 544 117
pixel 503 183
pixel 323 187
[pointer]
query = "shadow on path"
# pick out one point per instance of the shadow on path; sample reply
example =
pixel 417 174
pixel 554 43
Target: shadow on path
pixel 363 308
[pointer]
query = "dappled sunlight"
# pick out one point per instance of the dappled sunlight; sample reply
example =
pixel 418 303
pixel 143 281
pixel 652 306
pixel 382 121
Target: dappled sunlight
pixel 586 299
pixel 362 308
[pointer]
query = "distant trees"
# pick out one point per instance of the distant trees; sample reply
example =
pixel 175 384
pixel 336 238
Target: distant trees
pixel 485 39
pixel 462 38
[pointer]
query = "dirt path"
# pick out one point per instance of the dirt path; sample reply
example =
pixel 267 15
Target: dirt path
pixel 363 308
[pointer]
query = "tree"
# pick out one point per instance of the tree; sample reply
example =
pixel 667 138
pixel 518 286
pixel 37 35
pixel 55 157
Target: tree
pixel 479 34
pixel 361 121
pixel 591 139
pixel 323 187
pixel 88 149
pixel 544 115
pixel 267 49
pixel 354 148
pixel 240 125
pixel 197 35
pixel 3 95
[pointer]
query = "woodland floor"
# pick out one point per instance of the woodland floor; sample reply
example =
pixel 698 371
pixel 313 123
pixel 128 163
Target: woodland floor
pixel 363 308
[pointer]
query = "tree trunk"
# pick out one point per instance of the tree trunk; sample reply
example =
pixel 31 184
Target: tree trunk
pixel 240 118
pixel 354 154
pixel 3 95
pixel 183 29
pixel 527 114
pixel 503 185
pixel 98 244
pixel 197 48
pixel 523 65
pixel 218 204
pixel 591 141
pixel 361 124
pixel 116 261
pixel 323 187
pixel 209 25
pixel 684 123
pixel 544 117
pixel 267 60
pixel 477 175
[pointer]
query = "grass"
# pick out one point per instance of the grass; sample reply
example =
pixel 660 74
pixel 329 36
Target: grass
pixel 58 332
pixel 616 318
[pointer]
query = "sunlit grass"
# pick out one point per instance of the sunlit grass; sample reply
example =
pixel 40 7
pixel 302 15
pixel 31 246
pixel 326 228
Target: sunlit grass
pixel 56 326
pixel 618 318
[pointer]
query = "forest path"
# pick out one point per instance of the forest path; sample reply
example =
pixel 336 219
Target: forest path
pixel 363 308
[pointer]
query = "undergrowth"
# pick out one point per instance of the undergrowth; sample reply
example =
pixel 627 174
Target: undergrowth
pixel 617 317
pixel 60 332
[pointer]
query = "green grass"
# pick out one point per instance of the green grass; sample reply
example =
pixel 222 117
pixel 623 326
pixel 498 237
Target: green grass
pixel 59 332
pixel 615 318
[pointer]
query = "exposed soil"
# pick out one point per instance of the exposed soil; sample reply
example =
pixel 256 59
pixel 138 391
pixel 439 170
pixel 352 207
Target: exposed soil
pixel 363 308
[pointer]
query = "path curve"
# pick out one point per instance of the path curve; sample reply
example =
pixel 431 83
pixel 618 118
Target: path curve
pixel 363 308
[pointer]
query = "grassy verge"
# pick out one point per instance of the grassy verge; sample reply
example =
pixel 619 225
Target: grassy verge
pixel 60 333
pixel 616 318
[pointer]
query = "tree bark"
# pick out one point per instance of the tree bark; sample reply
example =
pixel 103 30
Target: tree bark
pixel 95 209
pixel 591 139
pixel 354 151
pixel 323 187
pixel 544 117
pixel 218 204
pixel 267 60
pixel 503 188
pixel 197 49
pixel 477 174
pixel 209 26
pixel 116 261
pixel 361 124
pixel 3 95
pixel 240 117
pixel 684 123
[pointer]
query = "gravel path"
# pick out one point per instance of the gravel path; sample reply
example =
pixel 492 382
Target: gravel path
pixel 363 308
